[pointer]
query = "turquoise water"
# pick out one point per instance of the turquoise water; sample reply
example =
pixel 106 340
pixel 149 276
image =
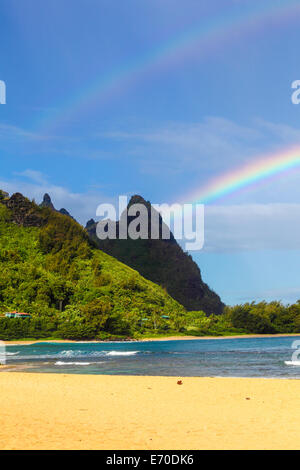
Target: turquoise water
pixel 238 357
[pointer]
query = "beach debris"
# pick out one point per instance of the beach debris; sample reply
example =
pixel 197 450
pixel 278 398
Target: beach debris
pixel 179 382
pixel 247 398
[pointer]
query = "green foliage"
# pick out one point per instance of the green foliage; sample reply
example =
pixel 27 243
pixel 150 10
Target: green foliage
pixel 50 269
pixel 18 328
pixel 255 318
pixel 198 324
pixel 263 317
pixel 252 318
pixel 71 289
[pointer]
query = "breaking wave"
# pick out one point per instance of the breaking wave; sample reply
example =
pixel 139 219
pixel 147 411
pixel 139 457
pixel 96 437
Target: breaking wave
pixel 72 353
pixel 62 363
pixel 78 354
pixel 122 353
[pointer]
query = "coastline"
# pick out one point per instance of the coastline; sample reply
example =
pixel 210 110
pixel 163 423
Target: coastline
pixel 166 338
pixel 64 411
pixel 175 338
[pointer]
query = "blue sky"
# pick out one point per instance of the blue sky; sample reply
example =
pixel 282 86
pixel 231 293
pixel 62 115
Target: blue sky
pixel 103 99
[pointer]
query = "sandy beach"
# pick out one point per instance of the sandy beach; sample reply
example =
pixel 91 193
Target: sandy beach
pixel 176 338
pixel 58 411
pixel 163 338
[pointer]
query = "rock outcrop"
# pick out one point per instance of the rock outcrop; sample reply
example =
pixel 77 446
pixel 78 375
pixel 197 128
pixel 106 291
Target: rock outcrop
pixel 163 262
pixel 23 211
pixel 47 202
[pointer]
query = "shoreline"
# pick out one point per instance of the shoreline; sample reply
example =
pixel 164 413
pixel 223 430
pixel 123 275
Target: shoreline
pixel 175 338
pixel 167 338
pixel 61 412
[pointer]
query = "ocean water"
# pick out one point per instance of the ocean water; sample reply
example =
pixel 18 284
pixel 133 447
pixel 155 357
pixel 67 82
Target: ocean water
pixel 237 357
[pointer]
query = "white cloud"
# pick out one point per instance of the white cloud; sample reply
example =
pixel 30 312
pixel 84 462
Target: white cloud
pixel 286 295
pixel 214 144
pixel 211 144
pixel 232 228
pixel 286 134
pixel 81 206
pixel 198 152
pixel 9 132
pixel 252 227
pixel 33 175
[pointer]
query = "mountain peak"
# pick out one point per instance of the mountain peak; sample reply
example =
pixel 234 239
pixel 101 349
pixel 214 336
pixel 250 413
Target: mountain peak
pixel 47 202
pixel 90 223
pixel 137 199
pixel 162 261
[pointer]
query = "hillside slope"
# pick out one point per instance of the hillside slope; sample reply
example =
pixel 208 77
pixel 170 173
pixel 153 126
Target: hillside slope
pixel 165 263
pixel 51 269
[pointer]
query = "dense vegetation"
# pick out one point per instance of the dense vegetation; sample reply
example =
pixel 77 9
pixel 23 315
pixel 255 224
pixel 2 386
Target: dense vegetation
pixel 255 318
pixel 50 269
pixel 163 262
pixel 90 322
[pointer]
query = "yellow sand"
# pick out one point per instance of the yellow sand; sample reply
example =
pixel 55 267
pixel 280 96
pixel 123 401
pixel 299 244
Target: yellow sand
pixel 52 411
pixel 162 338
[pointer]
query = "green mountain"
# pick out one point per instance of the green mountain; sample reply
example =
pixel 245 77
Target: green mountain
pixel 51 269
pixel 163 262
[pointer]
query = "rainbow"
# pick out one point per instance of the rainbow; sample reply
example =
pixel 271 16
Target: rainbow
pixel 246 175
pixel 200 39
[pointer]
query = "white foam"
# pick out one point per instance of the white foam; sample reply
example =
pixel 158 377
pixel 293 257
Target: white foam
pixel 61 363
pixel 122 353
pixel 71 353
pixel 292 363
pixel 12 354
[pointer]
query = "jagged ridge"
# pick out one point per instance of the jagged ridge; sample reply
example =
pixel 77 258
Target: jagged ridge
pixel 163 262
pixel 48 203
